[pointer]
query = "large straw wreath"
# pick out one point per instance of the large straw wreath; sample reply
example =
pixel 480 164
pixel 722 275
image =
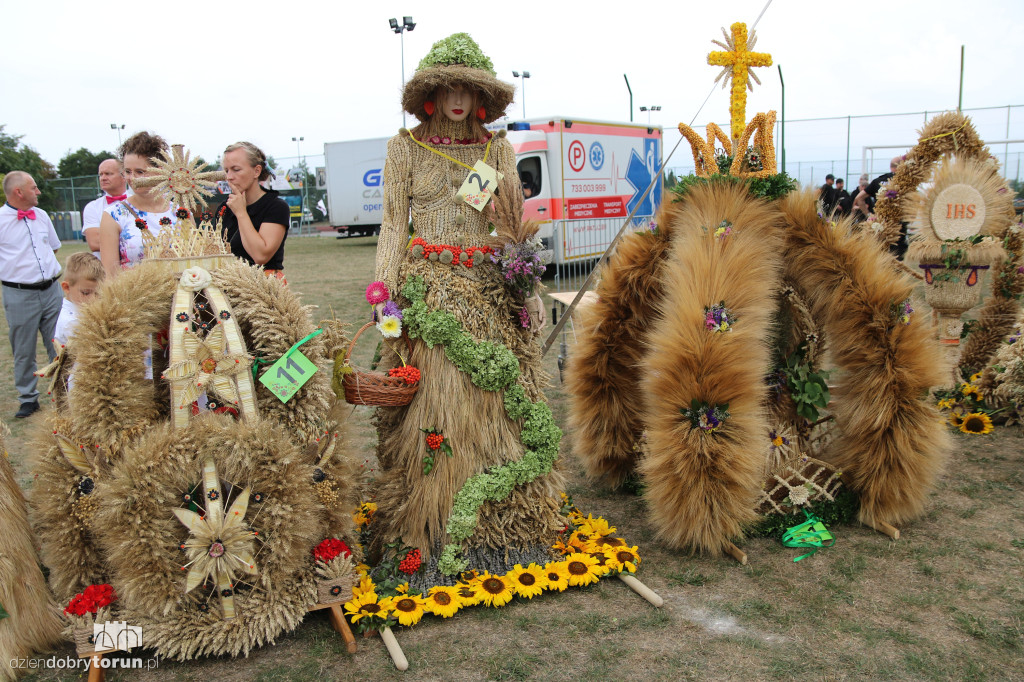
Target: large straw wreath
pixel 952 135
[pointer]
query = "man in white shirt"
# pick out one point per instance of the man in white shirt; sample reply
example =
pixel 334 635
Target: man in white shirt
pixel 114 186
pixel 29 271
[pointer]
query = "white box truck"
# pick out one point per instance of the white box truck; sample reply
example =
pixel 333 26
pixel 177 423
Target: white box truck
pixel 581 178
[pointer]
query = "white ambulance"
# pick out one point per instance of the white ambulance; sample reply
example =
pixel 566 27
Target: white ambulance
pixel 581 178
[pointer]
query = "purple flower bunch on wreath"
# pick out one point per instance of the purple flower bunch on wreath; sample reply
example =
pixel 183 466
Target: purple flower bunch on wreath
pixel 707 418
pixel 718 318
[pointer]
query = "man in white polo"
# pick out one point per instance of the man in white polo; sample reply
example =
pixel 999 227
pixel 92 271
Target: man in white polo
pixel 29 271
pixel 114 186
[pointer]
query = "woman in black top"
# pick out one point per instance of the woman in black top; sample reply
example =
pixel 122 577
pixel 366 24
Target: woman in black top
pixel 255 220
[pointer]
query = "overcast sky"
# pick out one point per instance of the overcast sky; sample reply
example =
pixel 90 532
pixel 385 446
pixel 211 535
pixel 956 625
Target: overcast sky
pixel 208 73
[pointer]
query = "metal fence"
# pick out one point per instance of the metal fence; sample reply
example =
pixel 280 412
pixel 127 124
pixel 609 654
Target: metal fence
pixel 847 146
pixel 578 244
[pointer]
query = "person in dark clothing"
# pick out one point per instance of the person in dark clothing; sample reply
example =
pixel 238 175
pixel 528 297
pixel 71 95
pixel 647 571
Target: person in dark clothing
pixel 827 194
pixel 843 202
pixel 254 220
pixel 867 197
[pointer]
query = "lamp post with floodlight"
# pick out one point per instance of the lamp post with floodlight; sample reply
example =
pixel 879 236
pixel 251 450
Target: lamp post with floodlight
pixel 118 128
pixel 649 110
pixel 302 208
pixel 407 25
pixel 523 76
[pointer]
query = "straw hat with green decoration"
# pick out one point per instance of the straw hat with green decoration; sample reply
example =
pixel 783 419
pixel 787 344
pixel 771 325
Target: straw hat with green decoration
pixel 454 61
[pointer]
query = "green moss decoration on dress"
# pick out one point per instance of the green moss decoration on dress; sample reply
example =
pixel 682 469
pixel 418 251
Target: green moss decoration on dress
pixel 492 367
pixel 458 48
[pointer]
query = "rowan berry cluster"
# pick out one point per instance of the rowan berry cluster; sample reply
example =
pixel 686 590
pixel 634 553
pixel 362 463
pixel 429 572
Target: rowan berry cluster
pixel 407 372
pixel 434 440
pixel 411 563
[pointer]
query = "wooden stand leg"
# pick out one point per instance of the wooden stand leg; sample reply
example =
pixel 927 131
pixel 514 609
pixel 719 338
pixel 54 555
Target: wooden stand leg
pixel 340 625
pixel 736 553
pixel 641 589
pixel 394 649
pixel 97 673
pixel 884 528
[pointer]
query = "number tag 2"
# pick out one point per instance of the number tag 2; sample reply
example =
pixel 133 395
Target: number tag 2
pixel 287 375
pixel 479 186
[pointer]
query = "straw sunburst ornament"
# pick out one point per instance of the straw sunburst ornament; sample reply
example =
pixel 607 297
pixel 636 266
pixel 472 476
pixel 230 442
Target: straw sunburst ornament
pixel 220 545
pixel 182 177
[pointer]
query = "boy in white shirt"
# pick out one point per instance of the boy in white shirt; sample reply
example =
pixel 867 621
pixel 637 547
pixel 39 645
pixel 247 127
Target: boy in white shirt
pixel 83 273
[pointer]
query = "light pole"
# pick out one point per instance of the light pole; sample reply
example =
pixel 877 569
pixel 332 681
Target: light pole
pixel 118 128
pixel 407 25
pixel 525 75
pixel 302 207
pixel 649 110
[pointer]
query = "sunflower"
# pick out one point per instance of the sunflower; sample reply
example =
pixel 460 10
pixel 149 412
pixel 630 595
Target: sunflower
pixel 443 601
pixel 402 589
pixel 576 543
pixel 362 569
pixel 596 527
pixel 624 559
pixel 975 377
pixel 583 569
pixel 557 574
pixel 408 608
pixel 469 593
pixel 604 566
pixel 967 389
pixel 956 418
pixel 495 590
pixel 364 514
pixel 529 581
pixel 945 404
pixel 367 605
pixel 365 585
pixel 608 541
pixel 976 422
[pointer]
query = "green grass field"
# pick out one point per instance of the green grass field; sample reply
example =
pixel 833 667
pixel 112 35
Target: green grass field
pixel 945 602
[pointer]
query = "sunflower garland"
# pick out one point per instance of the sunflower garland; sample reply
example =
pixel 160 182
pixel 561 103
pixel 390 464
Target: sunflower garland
pixel 589 552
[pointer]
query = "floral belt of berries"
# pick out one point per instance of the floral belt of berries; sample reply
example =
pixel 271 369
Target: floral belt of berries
pixel 407 372
pixel 446 253
pixel 435 441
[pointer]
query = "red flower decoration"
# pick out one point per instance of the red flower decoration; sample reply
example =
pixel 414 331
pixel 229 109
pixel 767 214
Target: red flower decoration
pixel 94 598
pixel 141 224
pixel 328 550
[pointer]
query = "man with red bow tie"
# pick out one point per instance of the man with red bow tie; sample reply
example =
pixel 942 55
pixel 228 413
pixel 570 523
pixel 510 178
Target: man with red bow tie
pixel 115 188
pixel 28 271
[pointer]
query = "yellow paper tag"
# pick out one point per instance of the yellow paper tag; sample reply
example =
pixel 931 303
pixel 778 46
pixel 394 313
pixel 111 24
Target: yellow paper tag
pixel 479 186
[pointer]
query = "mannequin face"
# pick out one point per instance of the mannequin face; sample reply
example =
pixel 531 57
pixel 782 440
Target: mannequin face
pixel 456 103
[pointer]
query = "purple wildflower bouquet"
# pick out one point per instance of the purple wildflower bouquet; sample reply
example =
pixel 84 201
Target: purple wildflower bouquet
pixel 707 418
pixel 522 267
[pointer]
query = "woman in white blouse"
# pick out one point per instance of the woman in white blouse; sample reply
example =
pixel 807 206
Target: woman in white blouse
pixel 123 221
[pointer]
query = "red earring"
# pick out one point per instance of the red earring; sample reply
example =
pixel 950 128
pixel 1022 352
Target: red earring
pixel 481 113
pixel 429 108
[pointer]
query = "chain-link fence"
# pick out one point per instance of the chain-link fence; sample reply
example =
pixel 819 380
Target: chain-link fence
pixel 848 146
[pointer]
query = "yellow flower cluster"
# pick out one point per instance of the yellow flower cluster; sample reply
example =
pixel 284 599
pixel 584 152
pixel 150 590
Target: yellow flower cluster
pixel 589 553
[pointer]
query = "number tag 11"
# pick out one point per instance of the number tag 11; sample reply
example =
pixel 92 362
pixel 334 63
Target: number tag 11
pixel 479 186
pixel 287 375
